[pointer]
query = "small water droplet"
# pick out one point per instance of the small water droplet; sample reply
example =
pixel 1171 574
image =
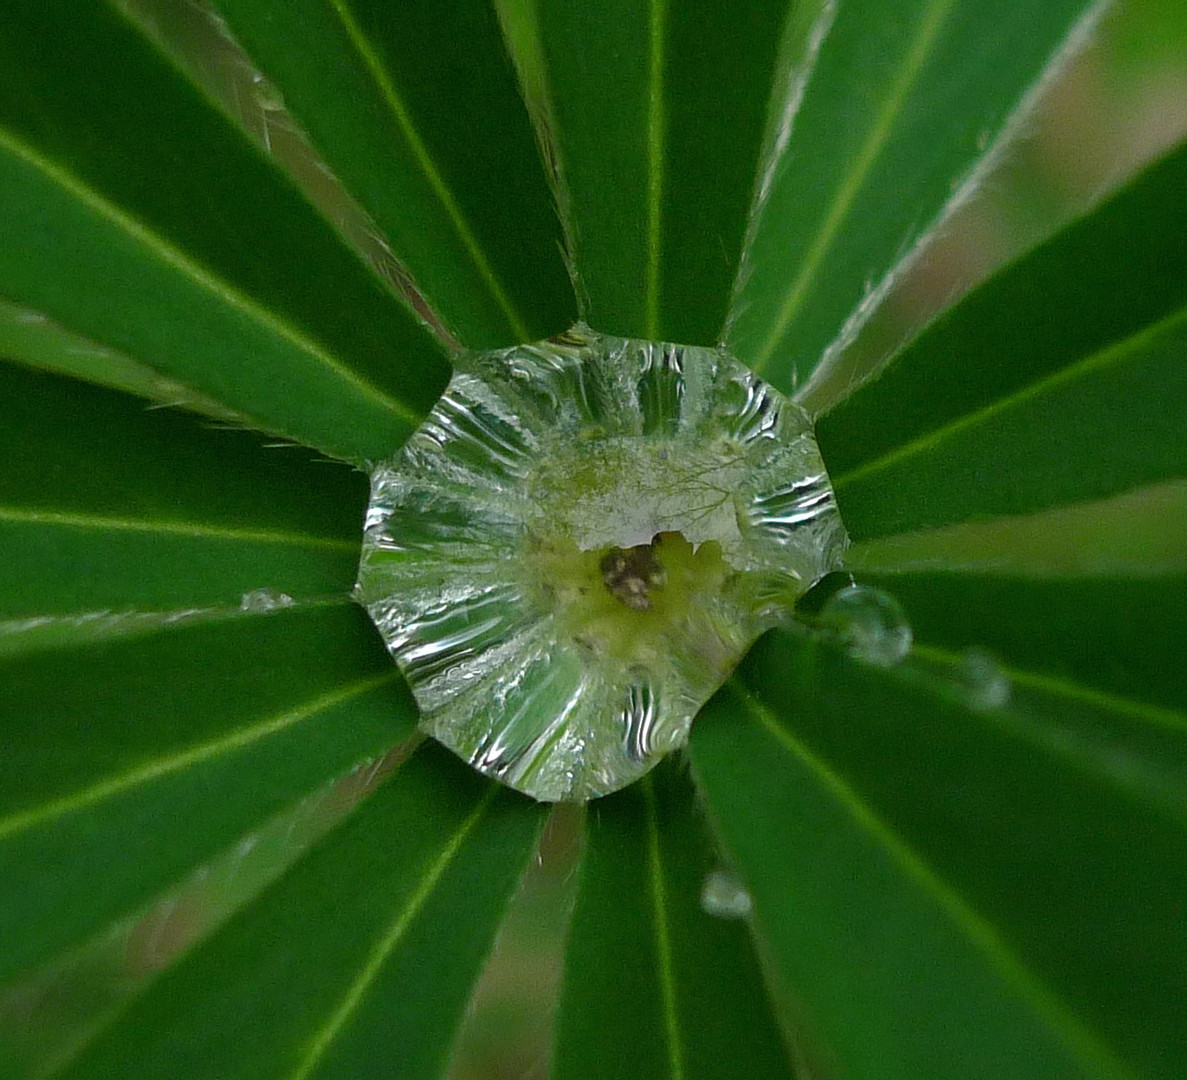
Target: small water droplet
pixel 265 600
pixel 983 683
pixel 870 624
pixel 725 896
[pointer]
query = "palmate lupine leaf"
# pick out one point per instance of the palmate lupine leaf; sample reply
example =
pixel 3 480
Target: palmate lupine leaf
pixel 644 958
pixel 148 223
pixel 359 961
pixel 1060 379
pixel 417 112
pixel 953 886
pixel 136 749
pixel 916 859
pixel 890 116
pixel 105 506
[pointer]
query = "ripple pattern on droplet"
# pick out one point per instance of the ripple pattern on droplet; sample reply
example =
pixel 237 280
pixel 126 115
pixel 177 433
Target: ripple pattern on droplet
pixel 750 409
pixel 660 389
pixel 453 631
pixel 793 506
pixel 638 721
pixel 478 439
pixel 577 546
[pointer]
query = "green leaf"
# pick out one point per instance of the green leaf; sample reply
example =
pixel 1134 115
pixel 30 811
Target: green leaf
pixel 359 961
pixel 658 112
pixel 1060 379
pixel 416 110
pixel 1120 636
pixel 107 506
pixel 28 337
pixel 682 990
pixel 173 240
pixel 134 755
pixel 892 117
pixel 1143 531
pixel 956 888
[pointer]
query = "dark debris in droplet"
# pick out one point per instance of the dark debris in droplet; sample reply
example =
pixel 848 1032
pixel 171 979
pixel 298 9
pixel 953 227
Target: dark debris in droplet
pixel 632 573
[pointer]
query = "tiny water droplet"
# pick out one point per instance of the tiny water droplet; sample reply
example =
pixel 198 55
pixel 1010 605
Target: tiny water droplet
pixel 725 896
pixel 246 845
pixel 267 95
pixel 265 600
pixel 983 683
pixel 869 623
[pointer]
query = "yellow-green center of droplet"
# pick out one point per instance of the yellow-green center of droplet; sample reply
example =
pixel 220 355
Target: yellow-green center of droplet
pixel 631 604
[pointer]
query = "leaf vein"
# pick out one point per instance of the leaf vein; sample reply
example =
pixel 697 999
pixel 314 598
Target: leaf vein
pixel 655 162
pixel 1139 710
pixel 856 176
pixel 195 755
pixel 424 161
pixel 205 279
pixel 26 516
pixel 663 944
pixel 323 1040
pixel 1115 353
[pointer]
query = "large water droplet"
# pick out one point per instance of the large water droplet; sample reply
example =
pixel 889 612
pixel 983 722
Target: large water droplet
pixel 982 682
pixel 869 623
pixel 576 547
pixel 725 895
